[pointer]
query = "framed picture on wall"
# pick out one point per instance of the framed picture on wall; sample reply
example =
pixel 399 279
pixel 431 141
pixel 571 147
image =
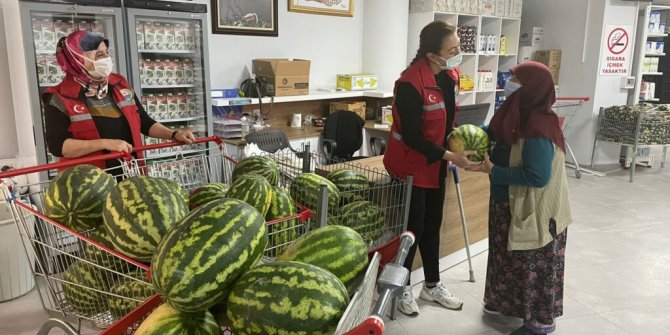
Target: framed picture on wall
pixel 245 17
pixel 325 7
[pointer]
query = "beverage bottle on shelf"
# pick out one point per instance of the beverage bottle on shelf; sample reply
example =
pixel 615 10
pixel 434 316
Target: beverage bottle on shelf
pixel 189 37
pixel 503 45
pixel 179 36
pixel 139 35
pixel 178 71
pixel 41 69
pixel 149 36
pixel 84 25
pixel 48 35
pixel 37 33
pixel 159 66
pixel 169 36
pixel 97 27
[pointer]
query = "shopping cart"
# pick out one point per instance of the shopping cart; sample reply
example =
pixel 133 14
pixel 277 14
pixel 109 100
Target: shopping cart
pixel 567 109
pixel 57 248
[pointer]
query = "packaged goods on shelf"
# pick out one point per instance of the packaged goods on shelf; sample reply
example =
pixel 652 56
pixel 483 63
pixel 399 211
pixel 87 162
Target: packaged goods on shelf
pixel 468 35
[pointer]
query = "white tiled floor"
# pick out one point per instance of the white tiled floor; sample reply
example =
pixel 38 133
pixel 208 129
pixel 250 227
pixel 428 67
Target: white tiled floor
pixel 617 270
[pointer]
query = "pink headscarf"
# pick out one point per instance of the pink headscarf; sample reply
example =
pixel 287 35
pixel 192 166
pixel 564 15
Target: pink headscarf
pixel 70 55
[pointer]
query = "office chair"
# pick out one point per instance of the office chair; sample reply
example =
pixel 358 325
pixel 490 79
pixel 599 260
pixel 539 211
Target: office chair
pixel 343 136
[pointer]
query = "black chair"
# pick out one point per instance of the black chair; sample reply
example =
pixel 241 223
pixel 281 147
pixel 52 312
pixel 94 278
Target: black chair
pixel 271 140
pixel 343 136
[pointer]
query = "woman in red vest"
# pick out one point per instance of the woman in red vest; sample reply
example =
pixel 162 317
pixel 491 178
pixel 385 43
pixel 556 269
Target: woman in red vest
pixel 93 110
pixel 423 116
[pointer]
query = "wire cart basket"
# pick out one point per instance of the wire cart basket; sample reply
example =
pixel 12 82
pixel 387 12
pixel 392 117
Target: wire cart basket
pixel 634 126
pixel 567 109
pixel 58 250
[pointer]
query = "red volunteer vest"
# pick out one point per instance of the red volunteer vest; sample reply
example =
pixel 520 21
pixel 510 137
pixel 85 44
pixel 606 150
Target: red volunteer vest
pixel 401 160
pixel 82 126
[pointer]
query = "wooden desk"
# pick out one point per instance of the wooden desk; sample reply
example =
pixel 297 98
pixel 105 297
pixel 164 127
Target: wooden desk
pixel 475 193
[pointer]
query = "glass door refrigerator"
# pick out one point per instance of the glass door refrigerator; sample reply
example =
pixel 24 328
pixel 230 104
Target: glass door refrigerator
pixel 168 62
pixel 43 24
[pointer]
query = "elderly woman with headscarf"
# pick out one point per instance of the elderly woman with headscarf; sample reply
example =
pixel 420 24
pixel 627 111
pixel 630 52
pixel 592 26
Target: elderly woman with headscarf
pixel 529 210
pixel 94 110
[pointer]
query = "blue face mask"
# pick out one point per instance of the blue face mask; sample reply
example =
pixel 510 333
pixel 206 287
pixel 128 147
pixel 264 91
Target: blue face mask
pixel 511 87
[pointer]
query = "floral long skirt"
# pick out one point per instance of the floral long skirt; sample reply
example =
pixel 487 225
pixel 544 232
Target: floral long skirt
pixel 526 284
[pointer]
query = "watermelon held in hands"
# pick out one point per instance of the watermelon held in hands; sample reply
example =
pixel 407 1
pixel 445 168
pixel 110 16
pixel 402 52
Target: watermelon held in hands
pixel 167 320
pixel 199 260
pixel 286 298
pixel 470 137
pixel 76 196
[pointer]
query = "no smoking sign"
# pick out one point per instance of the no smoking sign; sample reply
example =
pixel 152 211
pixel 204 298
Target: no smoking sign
pixel 615 51
pixel 617 42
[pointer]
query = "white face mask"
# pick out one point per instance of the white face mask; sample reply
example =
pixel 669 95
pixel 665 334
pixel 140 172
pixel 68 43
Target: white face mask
pixel 511 87
pixel 451 63
pixel 102 68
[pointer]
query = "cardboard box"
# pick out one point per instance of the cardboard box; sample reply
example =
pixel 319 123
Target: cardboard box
pixel 527 53
pixel 357 82
pixel 488 7
pixel 555 75
pixel 283 76
pixel 550 58
pixel 357 107
pixel 534 37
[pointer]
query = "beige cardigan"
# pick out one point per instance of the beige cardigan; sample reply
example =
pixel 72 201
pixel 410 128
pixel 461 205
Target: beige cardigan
pixel 532 207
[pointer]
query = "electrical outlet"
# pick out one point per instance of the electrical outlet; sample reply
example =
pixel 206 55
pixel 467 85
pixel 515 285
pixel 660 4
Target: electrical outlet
pixel 628 82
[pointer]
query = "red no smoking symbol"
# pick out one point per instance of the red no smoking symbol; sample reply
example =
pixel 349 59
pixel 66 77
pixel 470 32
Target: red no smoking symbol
pixel 617 41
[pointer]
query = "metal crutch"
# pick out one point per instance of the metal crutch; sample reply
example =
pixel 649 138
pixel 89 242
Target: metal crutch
pixel 464 224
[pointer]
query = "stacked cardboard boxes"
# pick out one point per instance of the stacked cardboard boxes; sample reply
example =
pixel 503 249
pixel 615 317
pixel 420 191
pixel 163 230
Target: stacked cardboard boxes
pixel 552 59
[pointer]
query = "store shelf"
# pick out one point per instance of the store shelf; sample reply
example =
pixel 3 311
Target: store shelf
pixel 313 95
pixel 653 54
pixel 45 52
pixel 167 86
pixel 657 35
pixel 151 51
pixel 487 91
pixel 185 119
pixel 650 100
pixel 652 74
pixel 466 92
pixel 508 55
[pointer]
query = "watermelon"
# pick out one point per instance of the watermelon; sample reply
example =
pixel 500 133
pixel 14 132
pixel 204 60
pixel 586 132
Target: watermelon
pixel 306 188
pixel 199 260
pixel 128 293
pixel 81 283
pixel 207 193
pixel 258 165
pixel 469 137
pixel 166 320
pixel 139 211
pixel 286 298
pixel 364 217
pixel 338 249
pixel 282 233
pixel 75 197
pixel 103 258
pixel 254 190
pixel 353 185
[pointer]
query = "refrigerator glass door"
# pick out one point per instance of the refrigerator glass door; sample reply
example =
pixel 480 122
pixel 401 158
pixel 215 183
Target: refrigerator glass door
pixel 45 24
pixel 168 57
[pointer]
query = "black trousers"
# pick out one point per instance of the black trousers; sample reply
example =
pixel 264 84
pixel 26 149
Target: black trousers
pixel 425 220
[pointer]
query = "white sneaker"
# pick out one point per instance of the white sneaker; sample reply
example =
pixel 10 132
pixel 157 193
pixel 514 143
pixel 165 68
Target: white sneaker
pixel 442 296
pixel 407 303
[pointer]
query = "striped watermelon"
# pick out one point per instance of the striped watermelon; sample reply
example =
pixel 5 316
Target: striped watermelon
pixel 139 211
pixel 337 249
pixel 134 293
pixel 207 193
pixel 258 165
pixel 469 137
pixel 306 188
pixel 364 217
pixel 166 320
pixel 99 256
pixel 81 283
pixel 286 298
pixel 282 233
pixel 353 185
pixel 75 197
pixel 254 190
pixel 199 260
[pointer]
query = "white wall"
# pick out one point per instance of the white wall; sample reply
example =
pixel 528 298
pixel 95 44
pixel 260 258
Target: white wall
pixel 568 28
pixel 9 147
pixel 332 43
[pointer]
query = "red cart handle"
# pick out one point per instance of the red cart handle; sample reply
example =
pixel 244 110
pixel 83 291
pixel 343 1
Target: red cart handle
pixel 65 164
pixel 214 139
pixel 581 99
pixel 99 158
